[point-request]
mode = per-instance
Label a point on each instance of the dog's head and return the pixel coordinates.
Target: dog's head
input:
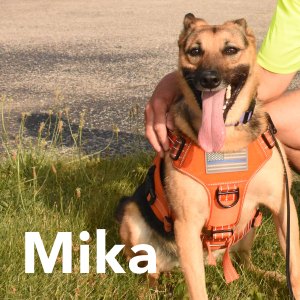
(216, 61)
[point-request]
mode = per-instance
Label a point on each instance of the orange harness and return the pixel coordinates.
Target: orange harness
(226, 192)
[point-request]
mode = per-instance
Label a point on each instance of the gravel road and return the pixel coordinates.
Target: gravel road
(99, 58)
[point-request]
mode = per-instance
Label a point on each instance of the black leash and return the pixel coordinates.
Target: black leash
(273, 131)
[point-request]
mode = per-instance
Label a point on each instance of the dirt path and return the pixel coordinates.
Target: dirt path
(101, 58)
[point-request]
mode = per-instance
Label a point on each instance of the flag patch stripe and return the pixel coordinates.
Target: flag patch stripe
(218, 162)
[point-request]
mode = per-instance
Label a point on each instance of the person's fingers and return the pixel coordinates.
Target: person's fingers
(149, 128)
(170, 122)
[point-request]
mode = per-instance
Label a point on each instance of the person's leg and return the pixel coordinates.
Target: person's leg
(285, 112)
(284, 109)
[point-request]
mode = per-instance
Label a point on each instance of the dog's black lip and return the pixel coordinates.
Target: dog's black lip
(189, 78)
(237, 79)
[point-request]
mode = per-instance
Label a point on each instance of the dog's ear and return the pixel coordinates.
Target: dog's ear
(188, 20)
(242, 23)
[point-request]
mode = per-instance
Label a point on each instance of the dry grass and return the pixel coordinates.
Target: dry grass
(42, 190)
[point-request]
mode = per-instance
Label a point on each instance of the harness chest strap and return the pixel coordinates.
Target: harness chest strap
(156, 196)
(226, 192)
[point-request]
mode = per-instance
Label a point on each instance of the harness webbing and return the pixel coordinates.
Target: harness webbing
(226, 193)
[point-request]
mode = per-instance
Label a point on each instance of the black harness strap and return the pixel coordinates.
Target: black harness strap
(149, 185)
(196, 92)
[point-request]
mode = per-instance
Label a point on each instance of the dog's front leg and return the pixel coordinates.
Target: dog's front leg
(190, 251)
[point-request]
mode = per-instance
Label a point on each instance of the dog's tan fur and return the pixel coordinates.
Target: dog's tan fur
(188, 199)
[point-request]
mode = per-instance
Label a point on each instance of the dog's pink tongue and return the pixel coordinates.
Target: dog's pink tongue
(211, 135)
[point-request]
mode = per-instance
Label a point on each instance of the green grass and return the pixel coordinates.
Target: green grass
(45, 191)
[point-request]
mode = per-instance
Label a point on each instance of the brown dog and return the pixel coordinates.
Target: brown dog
(219, 115)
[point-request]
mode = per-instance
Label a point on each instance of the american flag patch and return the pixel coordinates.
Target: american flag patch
(218, 162)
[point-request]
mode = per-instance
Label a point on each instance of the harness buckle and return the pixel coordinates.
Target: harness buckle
(219, 234)
(222, 234)
(268, 138)
(177, 148)
(236, 196)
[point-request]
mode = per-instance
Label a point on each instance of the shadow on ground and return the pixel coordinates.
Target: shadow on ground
(107, 142)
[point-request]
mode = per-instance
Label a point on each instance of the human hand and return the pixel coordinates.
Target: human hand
(157, 119)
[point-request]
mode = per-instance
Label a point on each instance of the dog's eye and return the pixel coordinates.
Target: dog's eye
(231, 50)
(195, 51)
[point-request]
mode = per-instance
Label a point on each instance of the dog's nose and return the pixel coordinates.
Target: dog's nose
(209, 79)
